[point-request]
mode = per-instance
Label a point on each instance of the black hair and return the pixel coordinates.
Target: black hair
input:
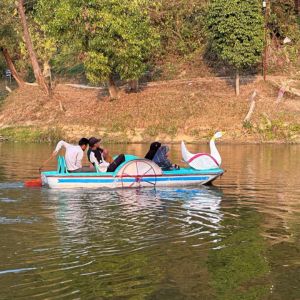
(83, 141)
(152, 151)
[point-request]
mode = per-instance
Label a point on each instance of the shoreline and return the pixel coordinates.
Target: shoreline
(28, 135)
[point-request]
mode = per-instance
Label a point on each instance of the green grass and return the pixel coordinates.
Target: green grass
(31, 135)
(277, 129)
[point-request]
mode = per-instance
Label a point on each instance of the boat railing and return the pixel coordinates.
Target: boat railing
(61, 165)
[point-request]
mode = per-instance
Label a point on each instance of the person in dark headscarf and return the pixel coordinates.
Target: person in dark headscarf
(161, 159)
(152, 151)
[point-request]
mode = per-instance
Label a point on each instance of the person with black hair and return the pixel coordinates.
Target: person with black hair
(73, 155)
(96, 157)
(152, 151)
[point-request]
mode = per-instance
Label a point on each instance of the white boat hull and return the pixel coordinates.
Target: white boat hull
(132, 174)
(94, 182)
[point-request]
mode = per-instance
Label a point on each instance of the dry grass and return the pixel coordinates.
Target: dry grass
(171, 112)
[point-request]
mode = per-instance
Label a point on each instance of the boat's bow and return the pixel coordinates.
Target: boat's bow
(203, 161)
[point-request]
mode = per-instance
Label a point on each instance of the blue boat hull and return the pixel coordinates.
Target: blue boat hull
(134, 172)
(105, 180)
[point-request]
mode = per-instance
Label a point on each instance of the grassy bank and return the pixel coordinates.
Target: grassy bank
(268, 131)
(31, 134)
(190, 110)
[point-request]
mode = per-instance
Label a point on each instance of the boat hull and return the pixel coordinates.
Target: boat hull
(94, 181)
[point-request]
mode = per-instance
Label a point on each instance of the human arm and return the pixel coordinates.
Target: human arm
(59, 145)
(162, 160)
(94, 161)
(106, 156)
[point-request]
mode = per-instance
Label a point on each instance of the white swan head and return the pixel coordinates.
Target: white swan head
(218, 135)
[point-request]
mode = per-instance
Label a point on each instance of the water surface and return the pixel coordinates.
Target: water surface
(237, 240)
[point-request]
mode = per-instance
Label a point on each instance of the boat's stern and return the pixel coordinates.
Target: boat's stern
(44, 178)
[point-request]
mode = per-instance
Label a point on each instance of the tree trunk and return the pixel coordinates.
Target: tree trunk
(34, 62)
(133, 86)
(252, 107)
(297, 7)
(237, 83)
(265, 51)
(12, 68)
(112, 88)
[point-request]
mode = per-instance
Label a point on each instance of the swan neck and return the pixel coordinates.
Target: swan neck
(214, 151)
(186, 155)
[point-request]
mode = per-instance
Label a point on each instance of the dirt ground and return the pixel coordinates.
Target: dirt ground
(171, 111)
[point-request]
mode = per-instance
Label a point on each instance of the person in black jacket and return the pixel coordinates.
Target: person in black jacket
(96, 157)
(152, 151)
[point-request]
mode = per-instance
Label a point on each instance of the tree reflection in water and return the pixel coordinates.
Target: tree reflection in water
(238, 265)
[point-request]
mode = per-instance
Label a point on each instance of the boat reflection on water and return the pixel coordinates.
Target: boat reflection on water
(204, 202)
(187, 211)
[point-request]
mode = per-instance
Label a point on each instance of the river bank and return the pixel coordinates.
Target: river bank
(171, 111)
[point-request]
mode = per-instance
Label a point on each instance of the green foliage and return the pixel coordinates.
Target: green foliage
(31, 135)
(248, 125)
(2, 64)
(97, 67)
(112, 36)
(98, 39)
(181, 24)
(45, 46)
(236, 31)
(277, 129)
(283, 20)
(8, 26)
(10, 36)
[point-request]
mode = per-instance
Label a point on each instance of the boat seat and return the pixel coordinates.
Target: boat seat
(61, 165)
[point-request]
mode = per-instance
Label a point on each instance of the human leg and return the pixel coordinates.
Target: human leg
(113, 166)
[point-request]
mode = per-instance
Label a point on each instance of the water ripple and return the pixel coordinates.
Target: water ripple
(182, 243)
(3, 272)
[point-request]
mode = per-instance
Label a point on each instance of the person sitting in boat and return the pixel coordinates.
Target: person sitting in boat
(161, 159)
(73, 155)
(97, 159)
(100, 153)
(152, 151)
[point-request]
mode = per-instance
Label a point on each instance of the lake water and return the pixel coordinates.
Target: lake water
(237, 240)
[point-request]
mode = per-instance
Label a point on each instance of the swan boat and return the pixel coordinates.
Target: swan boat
(138, 172)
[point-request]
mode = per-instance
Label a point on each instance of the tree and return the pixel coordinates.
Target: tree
(9, 37)
(236, 33)
(283, 20)
(11, 66)
(181, 24)
(33, 58)
(114, 37)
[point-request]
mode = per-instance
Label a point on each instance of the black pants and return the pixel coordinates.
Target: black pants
(119, 160)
